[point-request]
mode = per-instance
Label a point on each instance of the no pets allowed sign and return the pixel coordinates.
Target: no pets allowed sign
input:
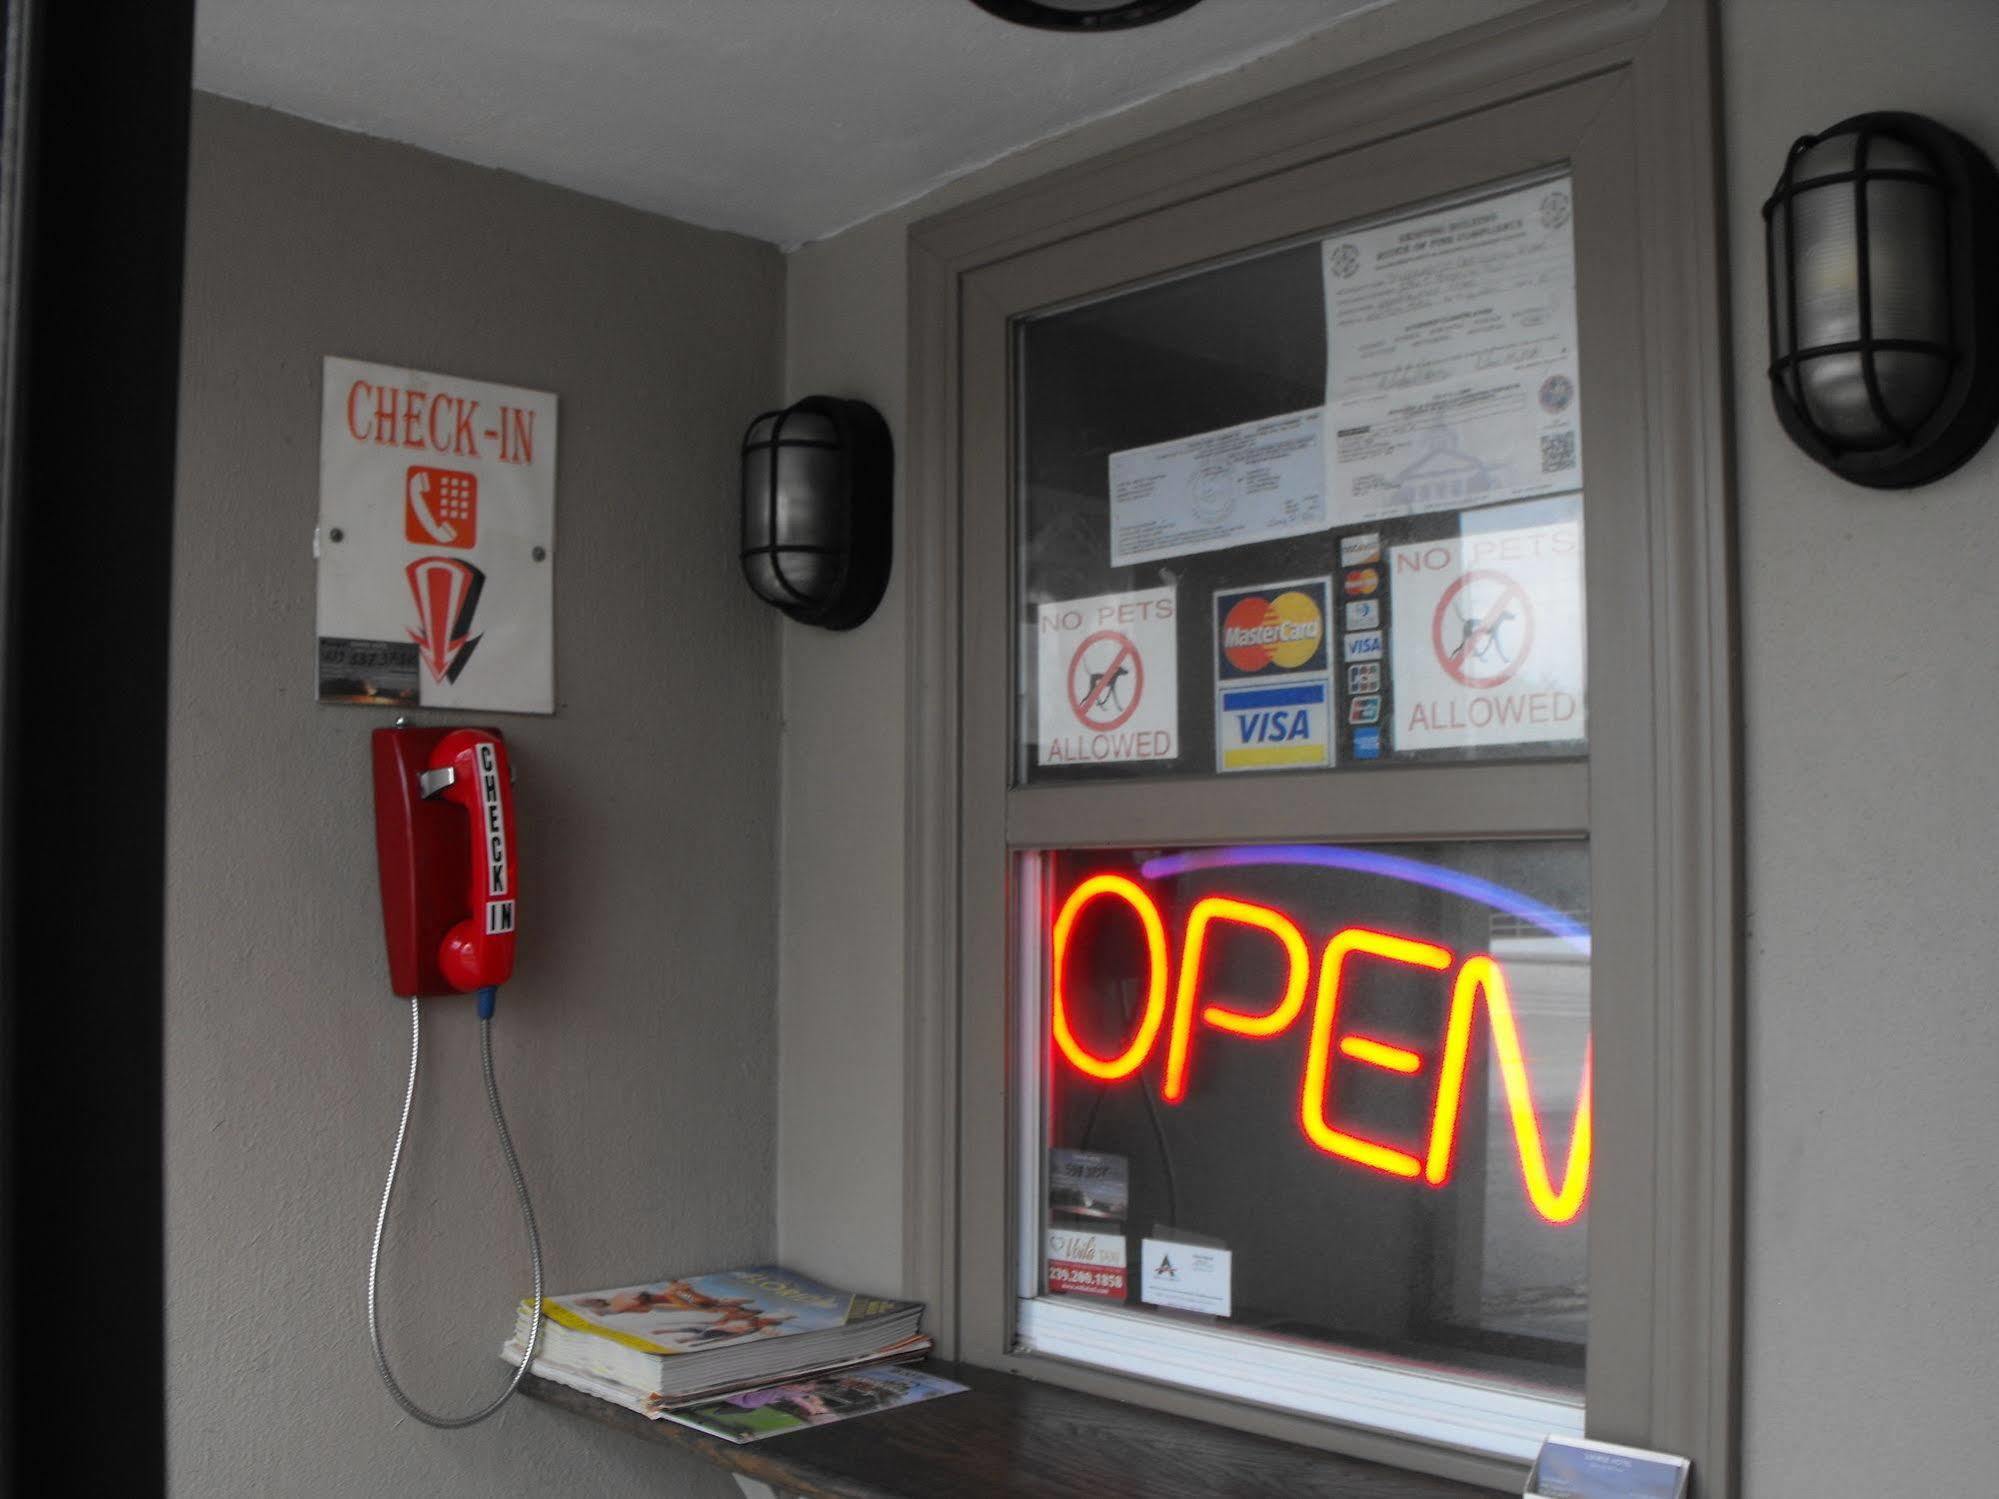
(1488, 647)
(1109, 680)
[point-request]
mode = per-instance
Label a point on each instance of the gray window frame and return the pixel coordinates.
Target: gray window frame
(1623, 94)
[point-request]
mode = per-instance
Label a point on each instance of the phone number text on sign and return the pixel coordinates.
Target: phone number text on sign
(1086, 1262)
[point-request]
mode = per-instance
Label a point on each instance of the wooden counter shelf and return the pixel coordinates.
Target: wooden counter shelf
(1008, 1438)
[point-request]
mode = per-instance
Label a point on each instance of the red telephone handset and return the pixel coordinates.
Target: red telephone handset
(444, 840)
(478, 952)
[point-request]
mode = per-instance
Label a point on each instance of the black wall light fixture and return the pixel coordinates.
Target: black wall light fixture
(1882, 249)
(1085, 15)
(818, 478)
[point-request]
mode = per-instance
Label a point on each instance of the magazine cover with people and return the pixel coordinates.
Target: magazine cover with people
(755, 1414)
(699, 1312)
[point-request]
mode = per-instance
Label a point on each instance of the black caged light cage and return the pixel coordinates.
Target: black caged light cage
(1882, 259)
(817, 496)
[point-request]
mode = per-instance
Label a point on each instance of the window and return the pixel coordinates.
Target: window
(1315, 509)
(1306, 1104)
(1238, 487)
(1384, 1033)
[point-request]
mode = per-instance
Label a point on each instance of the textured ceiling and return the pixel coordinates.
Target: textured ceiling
(783, 119)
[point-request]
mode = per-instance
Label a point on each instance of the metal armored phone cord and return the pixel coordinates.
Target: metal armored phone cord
(486, 1001)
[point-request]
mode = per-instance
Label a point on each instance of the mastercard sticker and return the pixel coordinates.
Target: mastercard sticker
(1273, 630)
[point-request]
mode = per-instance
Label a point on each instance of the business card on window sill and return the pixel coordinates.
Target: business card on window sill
(1188, 1277)
(1084, 1263)
(1572, 1468)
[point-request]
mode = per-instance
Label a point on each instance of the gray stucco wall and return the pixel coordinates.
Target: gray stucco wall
(1871, 716)
(1872, 806)
(635, 1045)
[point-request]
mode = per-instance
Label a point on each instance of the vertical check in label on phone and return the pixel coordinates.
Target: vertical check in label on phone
(495, 820)
(492, 812)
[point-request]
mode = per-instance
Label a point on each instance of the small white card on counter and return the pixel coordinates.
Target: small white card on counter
(1573, 1468)
(1189, 1277)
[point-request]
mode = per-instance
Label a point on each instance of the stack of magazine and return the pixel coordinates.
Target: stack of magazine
(675, 1349)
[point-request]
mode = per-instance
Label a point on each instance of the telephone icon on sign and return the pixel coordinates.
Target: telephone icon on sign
(441, 507)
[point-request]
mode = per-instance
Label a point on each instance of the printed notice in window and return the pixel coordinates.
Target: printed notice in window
(1451, 374)
(1259, 481)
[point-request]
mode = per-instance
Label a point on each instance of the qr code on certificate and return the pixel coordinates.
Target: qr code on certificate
(1558, 451)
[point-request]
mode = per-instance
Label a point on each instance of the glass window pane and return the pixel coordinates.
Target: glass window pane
(1355, 1079)
(1319, 507)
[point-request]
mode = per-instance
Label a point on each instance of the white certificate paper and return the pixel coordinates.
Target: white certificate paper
(1451, 375)
(1259, 481)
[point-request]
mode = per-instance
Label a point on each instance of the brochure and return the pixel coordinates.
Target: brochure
(686, 1337)
(701, 1312)
(753, 1415)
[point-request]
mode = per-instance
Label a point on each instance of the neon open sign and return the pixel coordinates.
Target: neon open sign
(1179, 1007)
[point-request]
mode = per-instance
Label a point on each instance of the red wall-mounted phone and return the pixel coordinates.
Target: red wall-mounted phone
(444, 838)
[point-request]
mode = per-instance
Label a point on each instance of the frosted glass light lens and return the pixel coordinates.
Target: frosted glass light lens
(1905, 273)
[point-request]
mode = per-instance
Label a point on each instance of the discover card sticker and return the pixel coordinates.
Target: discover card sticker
(1259, 481)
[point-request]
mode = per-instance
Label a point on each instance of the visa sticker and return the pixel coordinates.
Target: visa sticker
(1267, 728)
(1362, 646)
